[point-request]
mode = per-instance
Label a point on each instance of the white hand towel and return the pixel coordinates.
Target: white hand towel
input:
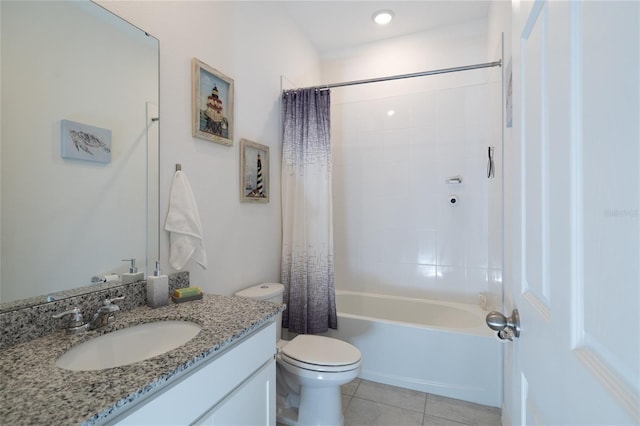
(183, 223)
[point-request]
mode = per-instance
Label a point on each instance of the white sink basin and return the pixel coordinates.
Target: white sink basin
(128, 345)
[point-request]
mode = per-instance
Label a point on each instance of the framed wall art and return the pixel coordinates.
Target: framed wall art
(212, 99)
(84, 142)
(254, 172)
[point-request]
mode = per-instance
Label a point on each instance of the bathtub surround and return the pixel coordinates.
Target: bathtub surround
(28, 323)
(396, 146)
(398, 232)
(307, 219)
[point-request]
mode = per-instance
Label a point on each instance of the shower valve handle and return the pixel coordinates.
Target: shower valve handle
(507, 327)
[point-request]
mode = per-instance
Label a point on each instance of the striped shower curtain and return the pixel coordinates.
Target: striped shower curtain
(307, 216)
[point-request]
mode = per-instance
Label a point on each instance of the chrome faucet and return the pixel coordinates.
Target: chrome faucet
(103, 316)
(106, 314)
(75, 323)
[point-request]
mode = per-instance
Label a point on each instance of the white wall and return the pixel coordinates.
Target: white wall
(255, 46)
(395, 231)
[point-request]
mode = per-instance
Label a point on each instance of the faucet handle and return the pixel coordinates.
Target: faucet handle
(107, 301)
(75, 317)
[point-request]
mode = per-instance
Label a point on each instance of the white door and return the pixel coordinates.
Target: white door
(572, 214)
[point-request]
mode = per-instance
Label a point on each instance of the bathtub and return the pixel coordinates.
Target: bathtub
(442, 348)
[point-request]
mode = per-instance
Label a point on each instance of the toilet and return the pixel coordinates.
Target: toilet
(309, 370)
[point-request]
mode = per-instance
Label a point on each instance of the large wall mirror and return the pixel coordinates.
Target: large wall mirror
(69, 211)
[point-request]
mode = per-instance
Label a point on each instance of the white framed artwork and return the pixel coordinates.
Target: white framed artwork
(84, 142)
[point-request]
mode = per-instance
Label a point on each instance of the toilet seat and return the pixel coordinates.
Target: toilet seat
(319, 353)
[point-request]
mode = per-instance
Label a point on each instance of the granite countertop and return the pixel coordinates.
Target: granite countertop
(33, 390)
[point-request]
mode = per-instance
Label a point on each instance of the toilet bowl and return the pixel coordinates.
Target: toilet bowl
(309, 370)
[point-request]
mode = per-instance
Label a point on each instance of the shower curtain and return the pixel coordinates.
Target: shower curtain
(307, 216)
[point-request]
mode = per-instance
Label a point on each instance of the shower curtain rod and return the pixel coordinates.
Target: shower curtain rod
(415, 74)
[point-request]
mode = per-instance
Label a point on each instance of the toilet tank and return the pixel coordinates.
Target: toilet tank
(272, 292)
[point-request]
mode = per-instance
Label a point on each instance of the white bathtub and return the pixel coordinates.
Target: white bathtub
(442, 348)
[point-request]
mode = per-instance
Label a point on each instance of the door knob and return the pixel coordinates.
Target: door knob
(507, 327)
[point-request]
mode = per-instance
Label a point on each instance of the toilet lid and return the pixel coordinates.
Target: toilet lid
(321, 351)
(264, 291)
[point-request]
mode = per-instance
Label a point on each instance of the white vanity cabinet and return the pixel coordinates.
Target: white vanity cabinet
(249, 404)
(236, 387)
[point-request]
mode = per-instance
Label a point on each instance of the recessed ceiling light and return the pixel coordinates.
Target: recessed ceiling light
(382, 17)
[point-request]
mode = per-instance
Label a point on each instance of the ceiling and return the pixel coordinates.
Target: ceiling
(333, 25)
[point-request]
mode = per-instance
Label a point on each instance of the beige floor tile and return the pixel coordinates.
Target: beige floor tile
(392, 395)
(462, 411)
(350, 388)
(346, 399)
(362, 412)
(439, 421)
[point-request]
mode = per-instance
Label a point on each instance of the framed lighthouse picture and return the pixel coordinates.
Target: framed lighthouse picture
(254, 172)
(212, 104)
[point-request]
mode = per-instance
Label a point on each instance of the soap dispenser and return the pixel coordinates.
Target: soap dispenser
(157, 289)
(133, 275)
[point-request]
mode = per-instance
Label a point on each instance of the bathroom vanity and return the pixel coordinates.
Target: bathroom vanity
(211, 379)
(218, 392)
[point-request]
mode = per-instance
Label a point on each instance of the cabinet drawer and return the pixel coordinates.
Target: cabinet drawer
(192, 395)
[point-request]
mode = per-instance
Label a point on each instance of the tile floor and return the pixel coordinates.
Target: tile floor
(366, 403)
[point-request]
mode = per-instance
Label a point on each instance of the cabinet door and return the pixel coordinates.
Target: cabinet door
(251, 403)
